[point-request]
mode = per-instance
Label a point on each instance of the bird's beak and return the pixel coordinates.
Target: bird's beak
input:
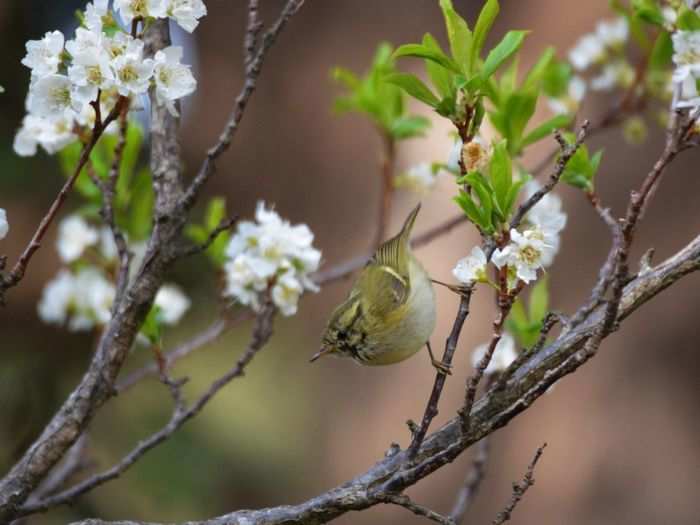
(323, 351)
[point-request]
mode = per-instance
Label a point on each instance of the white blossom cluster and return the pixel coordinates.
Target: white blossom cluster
(602, 48)
(686, 56)
(81, 296)
(67, 75)
(4, 225)
(271, 254)
(531, 248)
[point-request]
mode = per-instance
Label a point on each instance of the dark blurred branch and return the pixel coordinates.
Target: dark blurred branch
(491, 412)
(519, 489)
(467, 493)
(253, 63)
(262, 331)
(386, 173)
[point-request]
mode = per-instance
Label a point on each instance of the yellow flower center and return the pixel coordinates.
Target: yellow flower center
(94, 75)
(128, 73)
(530, 255)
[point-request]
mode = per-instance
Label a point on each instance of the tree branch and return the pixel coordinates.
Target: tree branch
(491, 412)
(254, 61)
(519, 489)
(262, 332)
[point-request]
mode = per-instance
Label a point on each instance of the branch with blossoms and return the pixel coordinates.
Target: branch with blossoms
(116, 251)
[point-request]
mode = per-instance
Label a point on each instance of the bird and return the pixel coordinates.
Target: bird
(389, 314)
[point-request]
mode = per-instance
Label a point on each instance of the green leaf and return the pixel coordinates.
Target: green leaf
(688, 19)
(420, 51)
(482, 189)
(151, 325)
(537, 72)
(502, 52)
(216, 211)
(556, 78)
(471, 210)
(440, 77)
(518, 109)
(345, 77)
(196, 233)
(512, 196)
(459, 36)
(649, 11)
(546, 128)
(412, 85)
(662, 52)
(539, 301)
(410, 126)
(501, 172)
(483, 25)
(518, 316)
(139, 213)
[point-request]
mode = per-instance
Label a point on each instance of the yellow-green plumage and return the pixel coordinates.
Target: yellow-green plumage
(389, 314)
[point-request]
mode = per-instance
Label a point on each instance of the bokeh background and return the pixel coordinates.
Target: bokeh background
(622, 432)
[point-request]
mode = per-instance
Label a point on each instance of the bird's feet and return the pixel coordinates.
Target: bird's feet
(442, 368)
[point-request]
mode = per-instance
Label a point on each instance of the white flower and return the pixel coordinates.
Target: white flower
(243, 282)
(587, 51)
(286, 293)
(108, 248)
(96, 13)
(270, 252)
(617, 74)
(130, 9)
(613, 33)
(53, 134)
(173, 79)
(43, 56)
(186, 12)
(90, 71)
(173, 303)
(547, 213)
(84, 300)
(419, 178)
(670, 15)
(471, 268)
(4, 225)
(51, 97)
(571, 101)
(85, 41)
(454, 156)
(57, 298)
(525, 254)
(503, 355)
(74, 235)
(94, 296)
(132, 72)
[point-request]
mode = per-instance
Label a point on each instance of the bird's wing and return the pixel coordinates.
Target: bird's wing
(383, 290)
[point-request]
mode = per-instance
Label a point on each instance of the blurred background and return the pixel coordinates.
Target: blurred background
(622, 432)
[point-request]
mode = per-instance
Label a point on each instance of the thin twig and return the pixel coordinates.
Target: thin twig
(254, 26)
(431, 409)
(223, 226)
(254, 66)
(519, 489)
(472, 483)
(567, 151)
(19, 269)
(419, 510)
(262, 331)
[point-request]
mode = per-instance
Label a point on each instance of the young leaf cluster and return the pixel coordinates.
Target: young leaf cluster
(382, 101)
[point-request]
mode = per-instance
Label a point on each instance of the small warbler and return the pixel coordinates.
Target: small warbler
(390, 312)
